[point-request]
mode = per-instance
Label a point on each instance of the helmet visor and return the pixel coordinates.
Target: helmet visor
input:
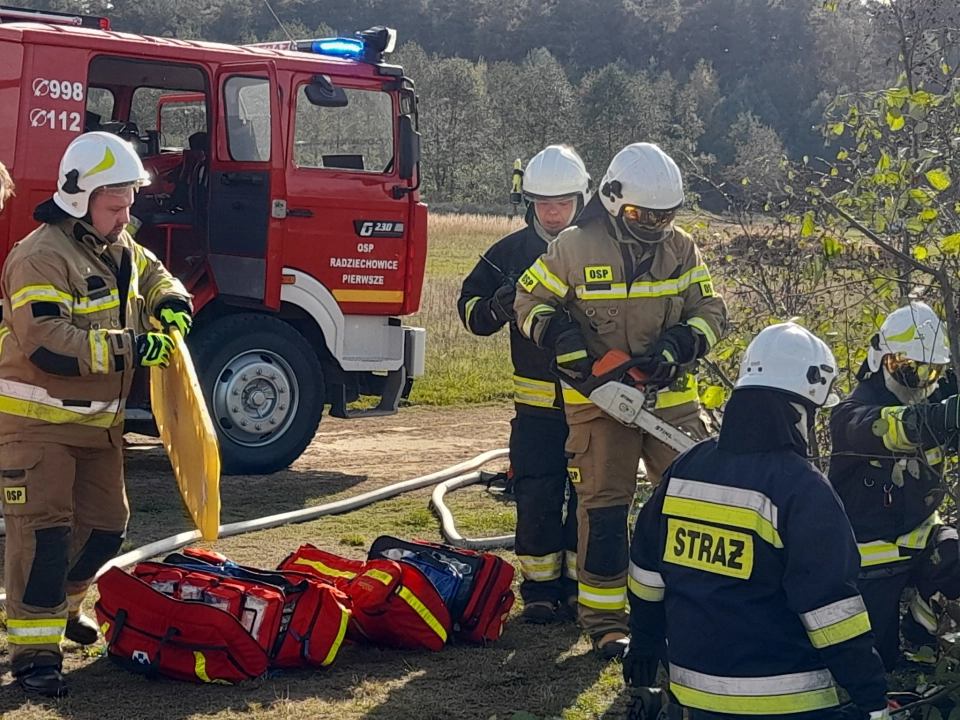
(913, 374)
(645, 219)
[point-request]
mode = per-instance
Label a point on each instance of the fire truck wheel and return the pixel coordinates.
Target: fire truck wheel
(264, 388)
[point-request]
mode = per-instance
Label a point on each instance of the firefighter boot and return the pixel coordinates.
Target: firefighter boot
(539, 612)
(42, 677)
(82, 630)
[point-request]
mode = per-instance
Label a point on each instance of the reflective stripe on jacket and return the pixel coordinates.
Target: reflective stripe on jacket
(754, 552)
(623, 294)
(67, 338)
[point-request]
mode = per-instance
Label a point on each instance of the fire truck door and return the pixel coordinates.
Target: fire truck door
(247, 148)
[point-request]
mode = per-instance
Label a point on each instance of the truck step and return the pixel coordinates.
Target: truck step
(389, 401)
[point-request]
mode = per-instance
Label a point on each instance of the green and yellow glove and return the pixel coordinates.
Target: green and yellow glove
(154, 350)
(175, 313)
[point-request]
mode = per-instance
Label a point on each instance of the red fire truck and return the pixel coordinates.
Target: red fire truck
(285, 196)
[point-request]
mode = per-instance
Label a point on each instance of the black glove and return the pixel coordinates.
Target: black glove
(501, 304)
(573, 359)
(639, 670)
(942, 420)
(680, 344)
(175, 312)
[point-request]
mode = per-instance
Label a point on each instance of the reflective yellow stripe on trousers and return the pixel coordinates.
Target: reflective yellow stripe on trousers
(35, 632)
(540, 569)
(602, 598)
(770, 695)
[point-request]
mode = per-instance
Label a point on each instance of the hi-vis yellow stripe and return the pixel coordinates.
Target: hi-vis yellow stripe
(200, 669)
(324, 569)
(341, 633)
(35, 632)
(421, 610)
(369, 296)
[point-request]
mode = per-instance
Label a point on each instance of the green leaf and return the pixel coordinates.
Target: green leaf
(938, 179)
(945, 69)
(713, 397)
(914, 225)
(831, 246)
(928, 214)
(842, 155)
(951, 244)
(920, 252)
(837, 128)
(808, 228)
(894, 119)
(745, 181)
(921, 127)
(884, 162)
(923, 655)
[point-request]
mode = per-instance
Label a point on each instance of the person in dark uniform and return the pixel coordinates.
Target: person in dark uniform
(556, 186)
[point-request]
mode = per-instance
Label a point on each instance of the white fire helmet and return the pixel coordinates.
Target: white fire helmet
(556, 172)
(790, 358)
(913, 332)
(92, 161)
(642, 176)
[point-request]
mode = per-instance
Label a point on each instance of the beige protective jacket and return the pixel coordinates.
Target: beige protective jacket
(623, 294)
(67, 354)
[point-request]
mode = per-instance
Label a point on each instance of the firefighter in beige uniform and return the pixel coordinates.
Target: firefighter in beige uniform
(78, 293)
(623, 279)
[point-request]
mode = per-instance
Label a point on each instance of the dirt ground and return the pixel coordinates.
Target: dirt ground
(532, 672)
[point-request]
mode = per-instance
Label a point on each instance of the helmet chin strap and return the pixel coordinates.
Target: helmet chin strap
(907, 395)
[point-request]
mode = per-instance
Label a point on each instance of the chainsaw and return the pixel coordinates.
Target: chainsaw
(622, 391)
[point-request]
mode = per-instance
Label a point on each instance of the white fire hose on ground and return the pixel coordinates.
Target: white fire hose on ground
(457, 476)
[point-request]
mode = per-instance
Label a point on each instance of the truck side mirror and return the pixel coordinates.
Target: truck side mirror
(323, 93)
(409, 147)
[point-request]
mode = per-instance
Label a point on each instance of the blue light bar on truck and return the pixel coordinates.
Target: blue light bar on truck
(348, 48)
(368, 46)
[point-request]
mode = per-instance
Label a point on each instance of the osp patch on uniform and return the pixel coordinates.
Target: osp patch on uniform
(709, 548)
(573, 474)
(598, 273)
(15, 495)
(528, 281)
(706, 288)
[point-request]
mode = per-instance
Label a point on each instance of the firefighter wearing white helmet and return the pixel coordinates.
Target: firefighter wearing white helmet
(890, 440)
(556, 187)
(745, 542)
(77, 293)
(626, 279)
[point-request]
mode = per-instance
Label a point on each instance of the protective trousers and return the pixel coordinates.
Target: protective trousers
(935, 569)
(66, 513)
(546, 539)
(603, 460)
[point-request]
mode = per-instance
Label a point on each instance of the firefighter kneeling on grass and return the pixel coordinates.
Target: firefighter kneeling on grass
(556, 187)
(624, 278)
(890, 439)
(77, 294)
(743, 566)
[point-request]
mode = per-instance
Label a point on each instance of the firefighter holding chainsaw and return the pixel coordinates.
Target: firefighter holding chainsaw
(556, 187)
(624, 279)
(890, 440)
(743, 566)
(78, 294)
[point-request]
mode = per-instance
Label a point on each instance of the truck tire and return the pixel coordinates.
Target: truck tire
(264, 388)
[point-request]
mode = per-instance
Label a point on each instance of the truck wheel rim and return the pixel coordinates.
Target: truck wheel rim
(255, 398)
